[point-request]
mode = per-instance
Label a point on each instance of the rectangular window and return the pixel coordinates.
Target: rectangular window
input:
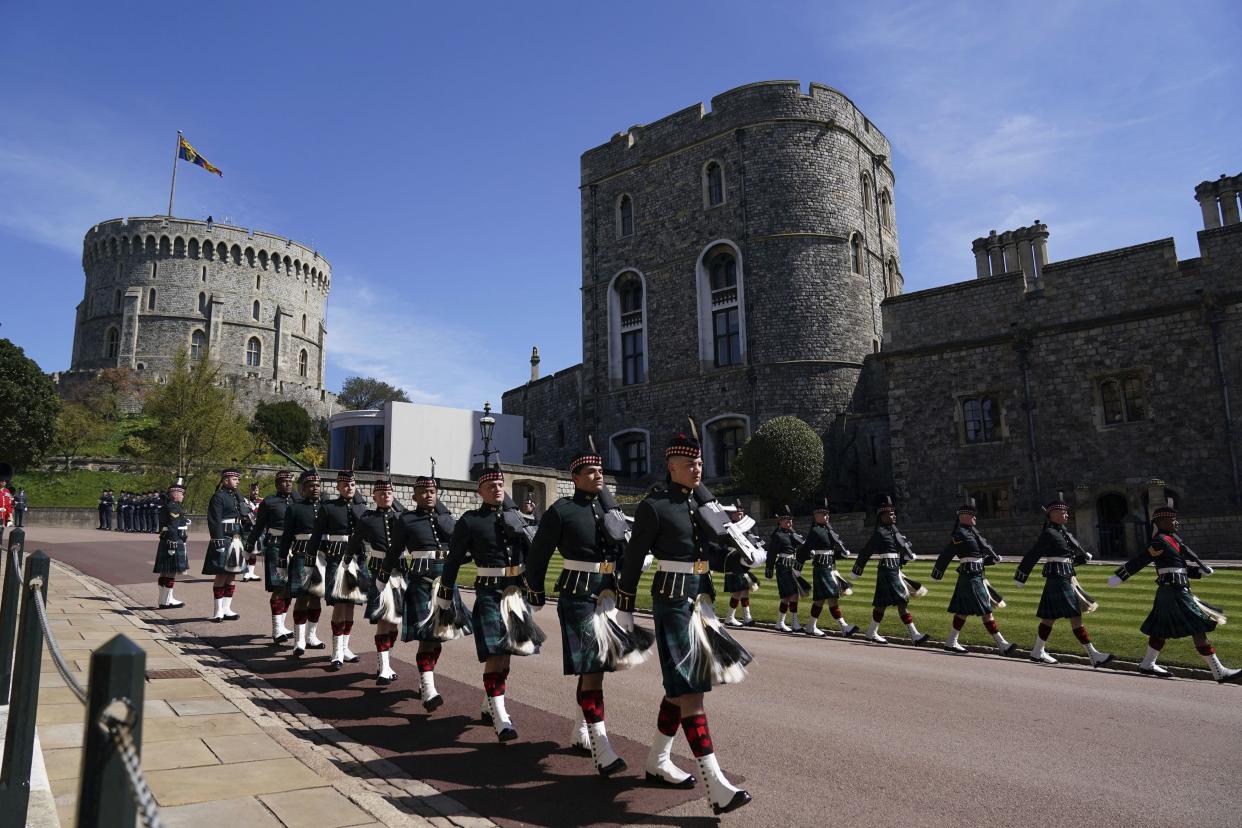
(992, 500)
(729, 440)
(727, 336)
(632, 357)
(634, 457)
(1122, 399)
(981, 417)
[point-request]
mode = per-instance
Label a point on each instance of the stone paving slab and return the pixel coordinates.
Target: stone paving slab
(184, 786)
(246, 812)
(322, 808)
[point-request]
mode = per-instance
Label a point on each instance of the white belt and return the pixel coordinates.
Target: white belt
(501, 571)
(1172, 570)
(685, 567)
(424, 555)
(229, 521)
(788, 556)
(1056, 560)
(971, 560)
(378, 554)
(603, 568)
(303, 536)
(336, 538)
(887, 556)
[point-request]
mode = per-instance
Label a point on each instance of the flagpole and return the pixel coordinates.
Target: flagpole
(172, 189)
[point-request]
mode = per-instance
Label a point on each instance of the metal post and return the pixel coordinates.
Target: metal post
(19, 739)
(9, 602)
(118, 672)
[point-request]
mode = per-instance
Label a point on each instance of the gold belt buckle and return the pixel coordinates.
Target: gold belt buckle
(700, 567)
(513, 571)
(607, 568)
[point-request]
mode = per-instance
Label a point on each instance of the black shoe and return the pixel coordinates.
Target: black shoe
(922, 639)
(318, 646)
(507, 735)
(298, 651)
(685, 785)
(1147, 671)
(334, 666)
(1008, 651)
(851, 632)
(352, 659)
(383, 681)
(615, 767)
(749, 623)
(485, 718)
(739, 799)
(231, 616)
(432, 704)
(217, 619)
(282, 638)
(1102, 663)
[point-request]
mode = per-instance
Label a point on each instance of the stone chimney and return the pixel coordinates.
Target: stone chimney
(1219, 201)
(534, 363)
(1024, 249)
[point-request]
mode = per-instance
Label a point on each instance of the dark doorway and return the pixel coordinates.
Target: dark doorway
(1110, 513)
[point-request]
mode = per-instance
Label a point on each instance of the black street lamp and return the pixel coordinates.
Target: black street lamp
(487, 424)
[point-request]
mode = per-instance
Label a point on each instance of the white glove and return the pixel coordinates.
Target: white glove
(1207, 570)
(1113, 580)
(913, 557)
(648, 560)
(625, 620)
(443, 603)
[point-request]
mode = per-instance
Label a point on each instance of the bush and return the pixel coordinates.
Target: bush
(284, 423)
(783, 461)
(134, 446)
(29, 411)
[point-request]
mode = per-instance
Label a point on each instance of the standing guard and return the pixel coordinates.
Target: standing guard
(739, 585)
(696, 651)
(120, 523)
(126, 508)
(892, 588)
(492, 535)
(972, 595)
(1062, 596)
(106, 501)
(589, 530)
(378, 536)
(426, 529)
(225, 556)
(269, 523)
(253, 499)
(823, 546)
(306, 568)
(171, 558)
(344, 572)
(1176, 612)
(782, 556)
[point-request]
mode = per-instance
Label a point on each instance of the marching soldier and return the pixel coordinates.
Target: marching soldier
(503, 626)
(253, 499)
(589, 530)
(740, 584)
(306, 571)
(695, 649)
(225, 556)
(427, 530)
(269, 523)
(106, 502)
(378, 535)
(171, 558)
(892, 588)
(823, 546)
(344, 572)
(19, 508)
(1062, 596)
(1176, 612)
(782, 556)
(973, 595)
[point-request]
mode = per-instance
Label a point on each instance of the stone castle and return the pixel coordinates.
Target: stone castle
(742, 262)
(249, 300)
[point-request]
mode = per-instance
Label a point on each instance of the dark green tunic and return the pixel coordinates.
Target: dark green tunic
(891, 550)
(1176, 612)
(782, 549)
(269, 523)
(300, 519)
(336, 519)
(970, 594)
(821, 547)
(224, 523)
(171, 557)
(376, 532)
(1060, 550)
(424, 532)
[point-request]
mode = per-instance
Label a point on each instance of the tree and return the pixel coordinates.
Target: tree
(199, 429)
(284, 423)
(783, 461)
(359, 393)
(77, 427)
(28, 408)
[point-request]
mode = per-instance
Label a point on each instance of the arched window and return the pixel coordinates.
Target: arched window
(981, 418)
(627, 329)
(258, 281)
(303, 362)
(116, 302)
(198, 342)
(303, 323)
(886, 210)
(202, 303)
(254, 352)
(625, 216)
(112, 343)
(151, 299)
(725, 436)
(890, 278)
(866, 192)
(722, 328)
(254, 310)
(856, 254)
(629, 453)
(713, 184)
(1122, 399)
(204, 273)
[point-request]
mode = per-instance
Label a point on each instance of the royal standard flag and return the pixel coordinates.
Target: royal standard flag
(188, 153)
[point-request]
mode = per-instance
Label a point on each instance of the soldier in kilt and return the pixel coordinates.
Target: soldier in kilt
(253, 499)
(171, 558)
(1062, 596)
(346, 581)
(306, 577)
(1176, 612)
(492, 536)
(269, 523)
(225, 556)
(696, 651)
(823, 546)
(426, 529)
(972, 595)
(782, 549)
(892, 588)
(740, 584)
(378, 534)
(592, 643)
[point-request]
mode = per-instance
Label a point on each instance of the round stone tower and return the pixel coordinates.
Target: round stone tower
(251, 301)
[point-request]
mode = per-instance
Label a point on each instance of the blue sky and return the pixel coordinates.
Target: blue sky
(430, 151)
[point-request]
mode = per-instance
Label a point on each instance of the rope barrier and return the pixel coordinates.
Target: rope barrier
(57, 659)
(121, 731)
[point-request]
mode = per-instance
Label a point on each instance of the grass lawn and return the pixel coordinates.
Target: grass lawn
(80, 487)
(1114, 627)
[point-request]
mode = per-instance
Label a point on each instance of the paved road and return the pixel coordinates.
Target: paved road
(850, 732)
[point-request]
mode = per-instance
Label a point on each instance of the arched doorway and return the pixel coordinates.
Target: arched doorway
(1110, 515)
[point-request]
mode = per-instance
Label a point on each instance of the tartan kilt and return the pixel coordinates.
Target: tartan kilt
(970, 596)
(419, 602)
(171, 558)
(579, 649)
(1174, 614)
(365, 581)
(736, 582)
(824, 583)
(489, 626)
(890, 591)
(217, 553)
(367, 576)
(787, 583)
(300, 565)
(275, 567)
(1058, 600)
(672, 634)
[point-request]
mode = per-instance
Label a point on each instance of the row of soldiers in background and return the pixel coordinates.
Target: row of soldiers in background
(135, 511)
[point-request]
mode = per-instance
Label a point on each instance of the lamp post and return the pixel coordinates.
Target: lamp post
(487, 424)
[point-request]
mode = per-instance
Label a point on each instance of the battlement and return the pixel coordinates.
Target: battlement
(764, 101)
